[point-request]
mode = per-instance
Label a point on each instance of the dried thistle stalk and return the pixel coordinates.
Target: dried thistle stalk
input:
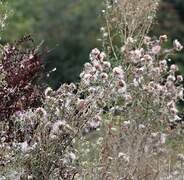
(134, 17)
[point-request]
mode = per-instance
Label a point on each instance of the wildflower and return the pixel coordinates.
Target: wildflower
(128, 98)
(125, 157)
(130, 40)
(171, 78)
(98, 66)
(57, 127)
(121, 86)
(88, 67)
(102, 56)
(94, 54)
(148, 57)
(177, 45)
(138, 72)
(94, 124)
(104, 76)
(81, 103)
(87, 77)
(41, 111)
(163, 63)
(179, 78)
(156, 49)
(163, 38)
(121, 83)
(136, 55)
(170, 84)
(118, 72)
(146, 40)
(161, 89)
(92, 89)
(174, 68)
(156, 71)
(98, 118)
(48, 91)
(72, 86)
(137, 81)
(82, 74)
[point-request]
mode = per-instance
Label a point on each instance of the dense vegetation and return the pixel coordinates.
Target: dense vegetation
(71, 28)
(120, 120)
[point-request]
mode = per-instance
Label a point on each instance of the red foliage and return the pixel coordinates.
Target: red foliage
(21, 67)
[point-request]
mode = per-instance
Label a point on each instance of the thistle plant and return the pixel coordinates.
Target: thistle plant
(136, 17)
(141, 95)
(140, 92)
(117, 122)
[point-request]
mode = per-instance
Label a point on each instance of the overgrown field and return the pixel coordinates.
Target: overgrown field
(121, 121)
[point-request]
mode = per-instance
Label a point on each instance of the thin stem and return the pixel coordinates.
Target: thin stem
(110, 40)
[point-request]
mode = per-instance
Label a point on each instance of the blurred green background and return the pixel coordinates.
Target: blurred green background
(70, 29)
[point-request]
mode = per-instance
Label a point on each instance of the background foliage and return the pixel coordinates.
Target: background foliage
(71, 28)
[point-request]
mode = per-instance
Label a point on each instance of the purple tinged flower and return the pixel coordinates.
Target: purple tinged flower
(102, 56)
(88, 67)
(104, 76)
(81, 103)
(180, 78)
(156, 49)
(95, 51)
(174, 68)
(148, 57)
(118, 72)
(95, 122)
(41, 111)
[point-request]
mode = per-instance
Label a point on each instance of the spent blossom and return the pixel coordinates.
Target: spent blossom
(163, 38)
(177, 45)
